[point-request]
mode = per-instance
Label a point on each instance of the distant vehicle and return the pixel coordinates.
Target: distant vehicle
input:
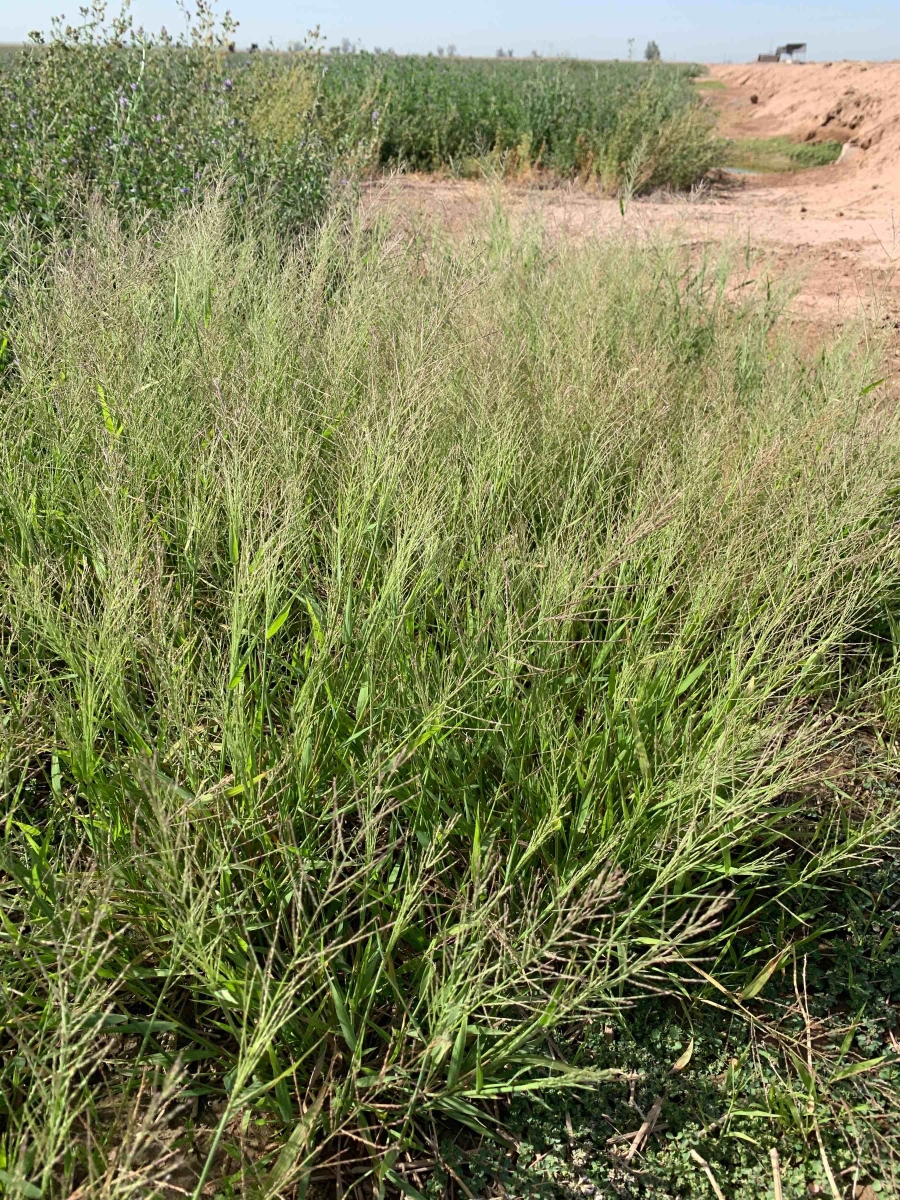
(789, 52)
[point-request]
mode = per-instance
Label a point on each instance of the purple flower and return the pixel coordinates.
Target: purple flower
(123, 102)
(227, 85)
(376, 113)
(158, 117)
(134, 87)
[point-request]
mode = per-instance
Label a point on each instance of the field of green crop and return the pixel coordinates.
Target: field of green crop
(571, 118)
(145, 123)
(449, 687)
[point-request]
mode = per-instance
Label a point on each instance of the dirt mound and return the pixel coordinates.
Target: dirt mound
(853, 102)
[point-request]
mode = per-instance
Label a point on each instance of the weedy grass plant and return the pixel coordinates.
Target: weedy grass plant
(411, 650)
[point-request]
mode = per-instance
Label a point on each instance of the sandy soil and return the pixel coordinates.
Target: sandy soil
(834, 230)
(852, 102)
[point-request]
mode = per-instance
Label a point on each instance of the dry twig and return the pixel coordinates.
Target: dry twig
(707, 1170)
(776, 1173)
(646, 1129)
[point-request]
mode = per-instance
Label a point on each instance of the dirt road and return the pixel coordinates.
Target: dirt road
(834, 230)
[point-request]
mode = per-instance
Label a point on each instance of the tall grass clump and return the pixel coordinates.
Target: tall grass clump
(410, 652)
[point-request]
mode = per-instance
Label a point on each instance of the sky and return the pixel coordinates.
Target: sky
(700, 30)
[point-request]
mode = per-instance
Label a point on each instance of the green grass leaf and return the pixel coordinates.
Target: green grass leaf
(277, 623)
(857, 1068)
(343, 1015)
(759, 981)
(20, 1186)
(870, 387)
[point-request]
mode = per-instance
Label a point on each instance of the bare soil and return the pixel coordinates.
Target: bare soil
(833, 231)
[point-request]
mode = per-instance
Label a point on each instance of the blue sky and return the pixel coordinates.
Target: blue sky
(706, 30)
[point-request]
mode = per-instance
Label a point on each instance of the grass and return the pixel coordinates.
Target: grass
(418, 656)
(779, 154)
(448, 686)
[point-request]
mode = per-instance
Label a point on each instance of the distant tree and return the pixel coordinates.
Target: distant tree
(440, 51)
(451, 51)
(652, 53)
(509, 54)
(630, 48)
(501, 53)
